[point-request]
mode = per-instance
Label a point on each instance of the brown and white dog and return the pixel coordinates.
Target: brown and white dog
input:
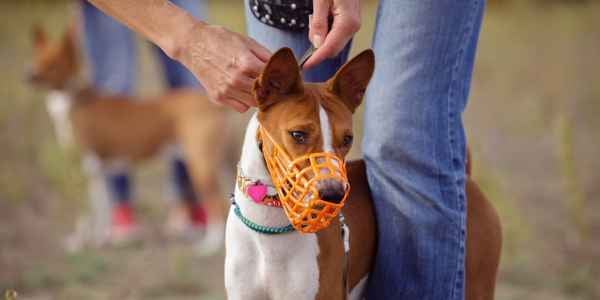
(111, 129)
(313, 266)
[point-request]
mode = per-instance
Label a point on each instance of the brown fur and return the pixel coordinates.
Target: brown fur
(121, 127)
(287, 104)
(484, 244)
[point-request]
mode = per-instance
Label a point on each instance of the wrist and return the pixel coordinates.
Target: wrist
(176, 44)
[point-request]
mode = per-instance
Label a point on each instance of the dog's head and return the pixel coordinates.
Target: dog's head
(311, 123)
(54, 64)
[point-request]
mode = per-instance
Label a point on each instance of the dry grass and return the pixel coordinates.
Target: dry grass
(532, 125)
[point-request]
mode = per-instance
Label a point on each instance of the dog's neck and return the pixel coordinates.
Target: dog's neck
(59, 104)
(252, 165)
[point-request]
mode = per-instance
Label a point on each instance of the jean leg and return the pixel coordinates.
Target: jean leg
(273, 39)
(181, 186)
(110, 51)
(414, 145)
(118, 181)
(119, 187)
(177, 75)
(181, 181)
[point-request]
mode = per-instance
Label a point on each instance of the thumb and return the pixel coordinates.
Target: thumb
(318, 23)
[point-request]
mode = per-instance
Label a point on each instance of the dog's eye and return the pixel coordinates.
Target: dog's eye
(348, 140)
(298, 136)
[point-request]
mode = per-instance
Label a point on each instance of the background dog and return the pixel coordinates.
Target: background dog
(110, 129)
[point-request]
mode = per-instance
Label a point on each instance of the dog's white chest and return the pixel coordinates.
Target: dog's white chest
(261, 266)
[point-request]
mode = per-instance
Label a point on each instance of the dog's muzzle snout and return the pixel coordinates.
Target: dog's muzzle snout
(331, 190)
(312, 188)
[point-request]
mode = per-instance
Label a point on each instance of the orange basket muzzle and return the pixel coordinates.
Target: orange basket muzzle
(296, 182)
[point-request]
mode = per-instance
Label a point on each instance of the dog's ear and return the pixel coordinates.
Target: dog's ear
(69, 39)
(39, 36)
(350, 82)
(281, 76)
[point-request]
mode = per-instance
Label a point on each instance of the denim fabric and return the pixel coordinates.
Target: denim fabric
(273, 39)
(181, 175)
(120, 186)
(111, 52)
(414, 143)
(415, 150)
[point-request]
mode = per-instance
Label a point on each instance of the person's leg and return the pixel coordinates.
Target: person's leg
(110, 51)
(177, 75)
(189, 211)
(414, 145)
(273, 39)
(118, 183)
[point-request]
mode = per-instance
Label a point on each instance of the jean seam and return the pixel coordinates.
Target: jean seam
(452, 115)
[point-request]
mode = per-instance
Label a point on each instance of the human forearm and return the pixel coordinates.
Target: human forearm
(160, 21)
(225, 62)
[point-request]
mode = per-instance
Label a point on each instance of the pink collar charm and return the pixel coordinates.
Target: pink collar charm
(257, 192)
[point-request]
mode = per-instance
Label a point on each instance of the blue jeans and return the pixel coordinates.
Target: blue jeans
(111, 53)
(414, 142)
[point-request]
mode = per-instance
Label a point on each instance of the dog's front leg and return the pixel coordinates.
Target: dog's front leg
(242, 279)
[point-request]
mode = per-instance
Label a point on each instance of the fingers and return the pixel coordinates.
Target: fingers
(261, 52)
(233, 87)
(235, 84)
(238, 106)
(227, 64)
(241, 79)
(243, 96)
(318, 23)
(341, 32)
(248, 65)
(235, 97)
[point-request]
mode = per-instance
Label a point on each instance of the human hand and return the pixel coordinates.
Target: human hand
(225, 62)
(346, 22)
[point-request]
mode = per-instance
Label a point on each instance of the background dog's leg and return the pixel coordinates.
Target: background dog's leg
(93, 226)
(99, 202)
(203, 143)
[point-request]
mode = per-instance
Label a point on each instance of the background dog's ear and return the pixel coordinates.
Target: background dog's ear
(39, 36)
(351, 81)
(281, 76)
(70, 39)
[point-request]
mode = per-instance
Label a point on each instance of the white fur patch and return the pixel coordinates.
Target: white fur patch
(358, 292)
(326, 131)
(58, 105)
(259, 266)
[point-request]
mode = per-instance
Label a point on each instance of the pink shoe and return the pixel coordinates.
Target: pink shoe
(197, 216)
(123, 227)
(186, 221)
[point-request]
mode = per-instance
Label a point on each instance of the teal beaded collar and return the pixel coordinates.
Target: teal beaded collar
(260, 228)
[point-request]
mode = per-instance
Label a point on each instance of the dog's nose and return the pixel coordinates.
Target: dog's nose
(331, 190)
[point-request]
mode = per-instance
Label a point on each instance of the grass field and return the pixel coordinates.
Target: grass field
(532, 124)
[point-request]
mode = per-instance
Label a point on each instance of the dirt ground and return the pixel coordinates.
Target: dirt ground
(532, 124)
